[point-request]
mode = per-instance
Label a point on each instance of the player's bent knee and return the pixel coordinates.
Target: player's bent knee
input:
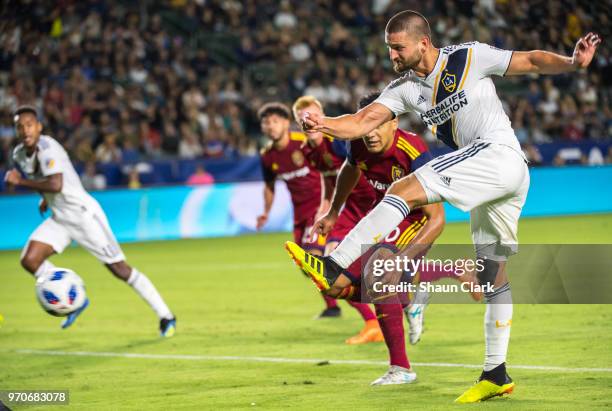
(121, 270)
(409, 188)
(488, 274)
(31, 262)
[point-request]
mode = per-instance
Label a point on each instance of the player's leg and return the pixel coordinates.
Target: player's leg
(391, 318)
(494, 228)
(49, 238)
(147, 291)
(94, 234)
(404, 195)
(371, 331)
(34, 258)
(315, 245)
(425, 186)
(376, 225)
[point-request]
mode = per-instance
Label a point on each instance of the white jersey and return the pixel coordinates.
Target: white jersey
(48, 159)
(457, 100)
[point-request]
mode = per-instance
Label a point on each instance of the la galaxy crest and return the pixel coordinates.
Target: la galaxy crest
(449, 82)
(396, 173)
(298, 158)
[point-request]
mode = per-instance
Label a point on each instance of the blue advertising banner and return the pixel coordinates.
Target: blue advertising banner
(231, 209)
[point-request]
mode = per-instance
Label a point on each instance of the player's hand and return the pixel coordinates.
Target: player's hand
(376, 271)
(585, 50)
(42, 206)
(311, 122)
(261, 221)
(323, 209)
(325, 224)
(12, 177)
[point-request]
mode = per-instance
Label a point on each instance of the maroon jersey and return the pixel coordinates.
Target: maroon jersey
(290, 165)
(407, 153)
(328, 157)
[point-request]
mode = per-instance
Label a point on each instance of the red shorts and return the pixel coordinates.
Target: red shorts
(301, 232)
(349, 217)
(398, 238)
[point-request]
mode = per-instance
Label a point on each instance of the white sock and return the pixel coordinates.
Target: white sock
(497, 323)
(44, 268)
(373, 228)
(145, 288)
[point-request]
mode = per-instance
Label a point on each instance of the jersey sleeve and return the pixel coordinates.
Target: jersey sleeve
(349, 153)
(395, 96)
(50, 160)
(268, 175)
(424, 154)
(489, 60)
(340, 148)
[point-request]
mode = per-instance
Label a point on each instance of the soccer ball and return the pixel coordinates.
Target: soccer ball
(60, 292)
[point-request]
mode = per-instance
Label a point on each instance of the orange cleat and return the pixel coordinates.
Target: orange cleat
(370, 333)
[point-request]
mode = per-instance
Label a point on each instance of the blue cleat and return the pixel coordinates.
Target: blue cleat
(167, 327)
(71, 318)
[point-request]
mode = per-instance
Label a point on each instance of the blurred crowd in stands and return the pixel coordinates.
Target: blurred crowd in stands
(121, 81)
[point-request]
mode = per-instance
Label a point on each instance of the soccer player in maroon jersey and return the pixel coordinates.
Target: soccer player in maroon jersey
(383, 156)
(283, 159)
(327, 155)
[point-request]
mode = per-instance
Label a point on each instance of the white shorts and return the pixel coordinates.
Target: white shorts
(90, 230)
(491, 181)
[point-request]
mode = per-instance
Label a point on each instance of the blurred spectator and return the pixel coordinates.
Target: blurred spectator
(91, 179)
(189, 147)
(108, 151)
(200, 177)
(134, 179)
(141, 71)
(533, 154)
(595, 157)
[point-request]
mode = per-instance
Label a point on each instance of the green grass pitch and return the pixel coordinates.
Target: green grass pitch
(242, 297)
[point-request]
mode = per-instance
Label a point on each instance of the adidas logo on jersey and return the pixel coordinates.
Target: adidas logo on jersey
(445, 180)
(420, 100)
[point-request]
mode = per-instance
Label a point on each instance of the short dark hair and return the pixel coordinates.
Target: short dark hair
(274, 107)
(409, 21)
(25, 109)
(368, 99)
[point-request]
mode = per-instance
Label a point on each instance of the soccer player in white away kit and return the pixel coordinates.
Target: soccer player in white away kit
(76, 216)
(451, 89)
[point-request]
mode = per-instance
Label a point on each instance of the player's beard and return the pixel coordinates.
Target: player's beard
(401, 65)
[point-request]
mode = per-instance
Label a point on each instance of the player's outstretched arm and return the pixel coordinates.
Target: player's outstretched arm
(346, 181)
(327, 191)
(348, 126)
(545, 62)
(50, 184)
(268, 195)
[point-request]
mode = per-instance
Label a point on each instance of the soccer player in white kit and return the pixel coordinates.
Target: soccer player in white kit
(76, 215)
(451, 90)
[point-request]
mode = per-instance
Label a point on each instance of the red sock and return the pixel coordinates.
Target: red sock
(391, 320)
(366, 312)
(430, 273)
(329, 302)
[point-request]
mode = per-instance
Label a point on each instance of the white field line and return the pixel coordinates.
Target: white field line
(283, 360)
